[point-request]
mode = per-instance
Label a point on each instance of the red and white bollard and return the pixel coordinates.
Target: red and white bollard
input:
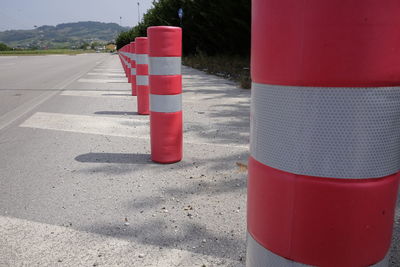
(325, 131)
(129, 60)
(165, 52)
(126, 61)
(142, 75)
(123, 57)
(120, 57)
(133, 68)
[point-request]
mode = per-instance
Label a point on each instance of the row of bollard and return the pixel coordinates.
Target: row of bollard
(153, 67)
(325, 123)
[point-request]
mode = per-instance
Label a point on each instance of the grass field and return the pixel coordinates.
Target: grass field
(44, 52)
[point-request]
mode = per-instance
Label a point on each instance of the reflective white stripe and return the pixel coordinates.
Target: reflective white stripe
(166, 103)
(127, 63)
(142, 80)
(165, 65)
(126, 55)
(142, 59)
(131, 56)
(133, 71)
(327, 131)
(258, 256)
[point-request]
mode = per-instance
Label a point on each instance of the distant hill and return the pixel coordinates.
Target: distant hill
(66, 35)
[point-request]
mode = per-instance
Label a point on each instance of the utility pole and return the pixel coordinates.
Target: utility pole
(180, 14)
(138, 11)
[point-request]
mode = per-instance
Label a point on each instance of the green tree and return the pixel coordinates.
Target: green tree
(209, 27)
(84, 46)
(4, 47)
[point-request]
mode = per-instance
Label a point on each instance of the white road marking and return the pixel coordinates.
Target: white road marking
(114, 94)
(130, 127)
(121, 94)
(30, 243)
(103, 80)
(109, 70)
(90, 124)
(23, 109)
(106, 74)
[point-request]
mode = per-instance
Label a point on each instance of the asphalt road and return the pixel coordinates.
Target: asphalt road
(26, 81)
(77, 187)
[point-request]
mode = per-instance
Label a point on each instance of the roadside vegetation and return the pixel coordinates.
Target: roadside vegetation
(234, 68)
(216, 34)
(4, 47)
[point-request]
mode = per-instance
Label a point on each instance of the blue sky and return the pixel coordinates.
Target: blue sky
(24, 14)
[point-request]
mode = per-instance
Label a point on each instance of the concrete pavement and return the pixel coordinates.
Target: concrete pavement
(78, 187)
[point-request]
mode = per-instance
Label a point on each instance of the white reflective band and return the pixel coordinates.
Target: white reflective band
(131, 56)
(142, 59)
(258, 256)
(327, 131)
(133, 71)
(142, 80)
(166, 103)
(165, 65)
(127, 63)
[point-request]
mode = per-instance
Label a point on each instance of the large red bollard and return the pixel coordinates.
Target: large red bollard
(142, 75)
(165, 52)
(133, 68)
(325, 129)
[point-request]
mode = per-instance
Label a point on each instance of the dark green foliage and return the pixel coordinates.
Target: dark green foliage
(212, 27)
(4, 47)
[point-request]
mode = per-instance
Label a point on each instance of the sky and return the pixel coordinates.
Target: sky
(25, 14)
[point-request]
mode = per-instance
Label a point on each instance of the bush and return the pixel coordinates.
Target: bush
(4, 47)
